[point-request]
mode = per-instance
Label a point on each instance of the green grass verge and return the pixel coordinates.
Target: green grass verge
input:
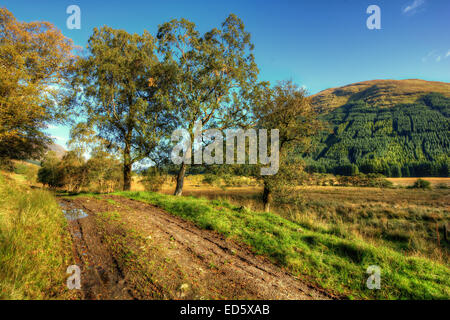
(35, 246)
(338, 265)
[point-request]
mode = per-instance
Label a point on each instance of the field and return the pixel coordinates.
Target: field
(408, 220)
(322, 255)
(405, 182)
(216, 243)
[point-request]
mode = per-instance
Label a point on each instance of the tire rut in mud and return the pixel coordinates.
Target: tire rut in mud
(210, 265)
(101, 276)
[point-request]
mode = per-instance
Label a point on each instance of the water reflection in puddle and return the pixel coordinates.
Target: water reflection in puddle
(74, 214)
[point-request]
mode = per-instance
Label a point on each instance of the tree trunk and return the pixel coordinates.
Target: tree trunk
(180, 180)
(127, 168)
(127, 177)
(267, 197)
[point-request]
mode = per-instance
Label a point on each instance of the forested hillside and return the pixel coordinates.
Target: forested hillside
(401, 140)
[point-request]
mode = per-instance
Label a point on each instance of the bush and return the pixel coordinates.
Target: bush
(421, 184)
(50, 174)
(154, 180)
(211, 179)
(101, 173)
(104, 172)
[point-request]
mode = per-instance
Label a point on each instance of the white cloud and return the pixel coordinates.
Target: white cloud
(412, 8)
(436, 56)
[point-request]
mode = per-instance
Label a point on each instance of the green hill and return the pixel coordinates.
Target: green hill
(397, 128)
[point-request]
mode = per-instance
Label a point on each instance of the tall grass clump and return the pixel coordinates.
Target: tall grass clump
(35, 248)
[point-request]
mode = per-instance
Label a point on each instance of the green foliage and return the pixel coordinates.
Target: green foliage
(154, 179)
(101, 173)
(49, 174)
(211, 78)
(421, 184)
(285, 107)
(403, 140)
(346, 170)
(210, 179)
(114, 88)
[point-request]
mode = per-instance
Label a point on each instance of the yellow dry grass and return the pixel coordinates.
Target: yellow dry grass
(410, 181)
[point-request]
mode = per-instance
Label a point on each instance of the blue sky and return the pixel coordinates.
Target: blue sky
(319, 44)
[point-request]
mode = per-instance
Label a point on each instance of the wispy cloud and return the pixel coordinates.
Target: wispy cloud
(435, 55)
(430, 55)
(412, 8)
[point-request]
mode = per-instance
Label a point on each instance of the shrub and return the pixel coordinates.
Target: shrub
(421, 184)
(154, 179)
(104, 172)
(101, 173)
(211, 179)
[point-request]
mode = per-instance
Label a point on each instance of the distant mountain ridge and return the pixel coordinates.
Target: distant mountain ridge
(382, 93)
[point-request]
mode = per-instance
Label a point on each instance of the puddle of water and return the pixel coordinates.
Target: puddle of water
(74, 214)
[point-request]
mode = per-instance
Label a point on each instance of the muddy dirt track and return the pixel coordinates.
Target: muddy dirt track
(173, 259)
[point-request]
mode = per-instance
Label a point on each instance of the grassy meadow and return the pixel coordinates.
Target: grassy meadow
(320, 254)
(325, 235)
(410, 221)
(35, 246)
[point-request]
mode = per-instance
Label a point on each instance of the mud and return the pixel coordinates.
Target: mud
(201, 264)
